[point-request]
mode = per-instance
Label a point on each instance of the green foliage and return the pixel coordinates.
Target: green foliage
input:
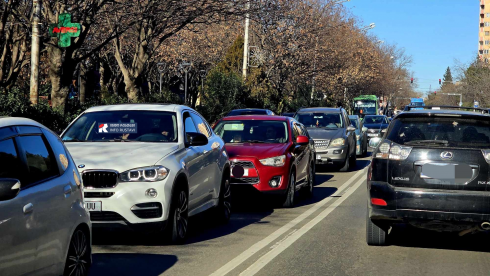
(224, 92)
(448, 77)
(233, 59)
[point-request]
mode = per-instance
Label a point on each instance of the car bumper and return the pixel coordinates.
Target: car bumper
(410, 205)
(332, 156)
(128, 204)
(264, 175)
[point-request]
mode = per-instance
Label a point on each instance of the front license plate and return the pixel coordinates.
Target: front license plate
(372, 134)
(93, 206)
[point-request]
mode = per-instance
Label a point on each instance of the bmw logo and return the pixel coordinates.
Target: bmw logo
(81, 166)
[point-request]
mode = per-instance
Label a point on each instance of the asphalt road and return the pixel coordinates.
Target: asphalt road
(324, 235)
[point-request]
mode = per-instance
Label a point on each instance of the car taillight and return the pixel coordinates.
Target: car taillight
(378, 201)
(486, 154)
(392, 151)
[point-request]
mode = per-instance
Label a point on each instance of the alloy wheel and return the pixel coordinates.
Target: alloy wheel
(227, 199)
(181, 217)
(78, 260)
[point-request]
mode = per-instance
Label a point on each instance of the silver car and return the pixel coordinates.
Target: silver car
(44, 228)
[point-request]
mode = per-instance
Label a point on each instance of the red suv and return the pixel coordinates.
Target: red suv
(273, 154)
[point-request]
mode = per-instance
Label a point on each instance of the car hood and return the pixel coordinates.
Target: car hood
(325, 133)
(382, 126)
(260, 151)
(119, 156)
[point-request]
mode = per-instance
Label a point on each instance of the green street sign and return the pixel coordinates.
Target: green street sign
(64, 30)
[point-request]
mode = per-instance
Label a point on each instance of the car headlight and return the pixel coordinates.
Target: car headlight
(144, 174)
(337, 142)
(277, 161)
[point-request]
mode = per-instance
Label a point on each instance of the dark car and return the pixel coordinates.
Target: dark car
(333, 134)
(287, 114)
(431, 170)
(250, 111)
(272, 154)
(375, 125)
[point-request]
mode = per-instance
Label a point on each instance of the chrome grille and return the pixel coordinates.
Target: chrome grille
(244, 164)
(321, 144)
(99, 179)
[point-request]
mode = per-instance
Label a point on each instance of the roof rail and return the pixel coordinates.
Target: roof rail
(439, 107)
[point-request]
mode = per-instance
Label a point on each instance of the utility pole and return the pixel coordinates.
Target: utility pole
(245, 42)
(34, 89)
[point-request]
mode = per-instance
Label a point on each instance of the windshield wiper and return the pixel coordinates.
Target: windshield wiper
(253, 141)
(418, 142)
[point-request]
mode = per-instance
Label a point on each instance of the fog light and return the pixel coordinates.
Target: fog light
(337, 151)
(274, 183)
(151, 193)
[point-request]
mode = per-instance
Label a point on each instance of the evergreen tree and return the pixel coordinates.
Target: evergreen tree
(448, 77)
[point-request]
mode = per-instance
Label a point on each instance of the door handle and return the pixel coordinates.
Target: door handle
(28, 208)
(67, 190)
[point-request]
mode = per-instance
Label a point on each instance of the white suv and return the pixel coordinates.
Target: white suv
(149, 165)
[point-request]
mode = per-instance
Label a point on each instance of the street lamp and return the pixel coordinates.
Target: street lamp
(185, 66)
(161, 68)
(371, 26)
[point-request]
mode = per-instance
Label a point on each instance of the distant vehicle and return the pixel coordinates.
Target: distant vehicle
(250, 111)
(333, 134)
(44, 227)
(375, 124)
(431, 171)
(288, 114)
(272, 154)
(365, 105)
(361, 135)
(417, 102)
(166, 166)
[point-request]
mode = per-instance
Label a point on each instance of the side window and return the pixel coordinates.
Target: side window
(10, 164)
(189, 124)
(201, 126)
(58, 149)
(40, 162)
(295, 132)
(299, 130)
(305, 132)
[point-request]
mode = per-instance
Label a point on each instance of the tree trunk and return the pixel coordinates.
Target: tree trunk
(83, 82)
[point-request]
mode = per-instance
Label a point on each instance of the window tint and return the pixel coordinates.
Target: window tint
(253, 131)
(58, 149)
(298, 129)
(10, 165)
(320, 119)
(201, 126)
(189, 124)
(40, 163)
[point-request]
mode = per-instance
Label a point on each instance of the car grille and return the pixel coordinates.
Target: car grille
(97, 195)
(244, 164)
(147, 210)
(249, 180)
(105, 216)
(100, 179)
(321, 144)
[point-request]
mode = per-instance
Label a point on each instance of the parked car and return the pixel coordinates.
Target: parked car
(431, 171)
(250, 111)
(361, 135)
(149, 166)
(375, 124)
(288, 115)
(333, 134)
(44, 228)
(273, 154)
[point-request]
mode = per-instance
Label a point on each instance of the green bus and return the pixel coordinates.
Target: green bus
(365, 105)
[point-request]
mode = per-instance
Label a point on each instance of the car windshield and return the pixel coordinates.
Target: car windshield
(252, 131)
(247, 112)
(320, 119)
(418, 104)
(127, 126)
(443, 132)
(374, 120)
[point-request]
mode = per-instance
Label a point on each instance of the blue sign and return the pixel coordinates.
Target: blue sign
(476, 104)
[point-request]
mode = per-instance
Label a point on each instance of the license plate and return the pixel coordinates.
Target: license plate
(93, 206)
(372, 134)
(245, 173)
(319, 157)
(453, 173)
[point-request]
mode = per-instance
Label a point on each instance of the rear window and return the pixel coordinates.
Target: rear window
(247, 112)
(458, 132)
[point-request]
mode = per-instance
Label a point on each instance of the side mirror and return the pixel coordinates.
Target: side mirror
(196, 139)
(364, 129)
(302, 140)
(9, 188)
(351, 128)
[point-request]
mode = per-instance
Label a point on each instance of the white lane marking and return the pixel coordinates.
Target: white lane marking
(269, 256)
(272, 237)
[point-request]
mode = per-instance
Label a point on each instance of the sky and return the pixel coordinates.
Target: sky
(434, 32)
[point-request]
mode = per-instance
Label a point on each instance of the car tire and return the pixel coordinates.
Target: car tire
(375, 235)
(352, 161)
(291, 192)
(178, 217)
(346, 165)
(78, 260)
(311, 181)
(223, 209)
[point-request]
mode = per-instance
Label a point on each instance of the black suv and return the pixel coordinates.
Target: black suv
(431, 170)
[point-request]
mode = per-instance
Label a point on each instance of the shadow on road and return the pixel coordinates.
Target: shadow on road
(121, 264)
(406, 236)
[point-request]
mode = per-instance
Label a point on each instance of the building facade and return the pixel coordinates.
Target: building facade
(484, 33)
